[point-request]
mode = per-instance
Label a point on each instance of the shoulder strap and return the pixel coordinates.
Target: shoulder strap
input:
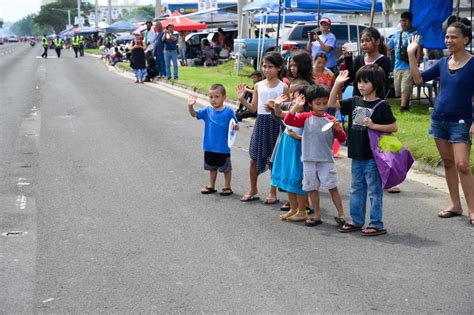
(377, 105)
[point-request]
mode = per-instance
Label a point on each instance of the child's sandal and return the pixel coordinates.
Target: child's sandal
(208, 190)
(226, 192)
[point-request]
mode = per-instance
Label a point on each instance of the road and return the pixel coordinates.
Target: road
(104, 175)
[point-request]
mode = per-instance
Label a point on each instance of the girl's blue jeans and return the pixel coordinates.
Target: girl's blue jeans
(366, 181)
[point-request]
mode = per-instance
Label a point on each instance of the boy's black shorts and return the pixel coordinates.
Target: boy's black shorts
(217, 161)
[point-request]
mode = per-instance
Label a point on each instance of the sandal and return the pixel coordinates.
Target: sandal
(271, 200)
(349, 227)
(373, 231)
(285, 207)
(298, 216)
(340, 221)
(226, 192)
(208, 190)
(247, 198)
(445, 214)
(313, 222)
(309, 210)
(290, 213)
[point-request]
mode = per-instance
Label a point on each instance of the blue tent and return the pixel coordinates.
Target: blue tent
(121, 26)
(290, 17)
(428, 17)
(335, 6)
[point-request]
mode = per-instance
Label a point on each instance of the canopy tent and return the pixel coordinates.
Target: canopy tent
(125, 37)
(428, 20)
(216, 19)
(334, 6)
(290, 17)
(120, 26)
(182, 23)
(86, 30)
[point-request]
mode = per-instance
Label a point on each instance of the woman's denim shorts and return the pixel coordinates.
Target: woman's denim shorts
(453, 132)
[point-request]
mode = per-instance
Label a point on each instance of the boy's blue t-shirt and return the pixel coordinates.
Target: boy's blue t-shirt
(394, 43)
(454, 101)
(216, 128)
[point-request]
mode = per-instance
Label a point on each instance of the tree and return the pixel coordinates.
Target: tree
(388, 5)
(26, 26)
(140, 14)
(54, 15)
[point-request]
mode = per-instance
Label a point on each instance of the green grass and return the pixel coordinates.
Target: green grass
(94, 51)
(412, 126)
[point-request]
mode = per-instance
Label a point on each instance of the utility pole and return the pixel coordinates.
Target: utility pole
(157, 8)
(96, 14)
(79, 13)
(109, 12)
(242, 24)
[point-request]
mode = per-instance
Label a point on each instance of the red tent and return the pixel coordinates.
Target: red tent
(182, 23)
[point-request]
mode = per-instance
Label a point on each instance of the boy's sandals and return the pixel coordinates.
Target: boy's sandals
(373, 231)
(226, 192)
(349, 227)
(290, 213)
(298, 216)
(208, 190)
(313, 222)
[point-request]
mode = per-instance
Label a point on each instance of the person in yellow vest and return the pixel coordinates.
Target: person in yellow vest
(75, 44)
(81, 45)
(45, 44)
(58, 45)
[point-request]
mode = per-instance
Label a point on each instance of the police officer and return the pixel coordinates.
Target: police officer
(81, 45)
(58, 45)
(75, 44)
(45, 44)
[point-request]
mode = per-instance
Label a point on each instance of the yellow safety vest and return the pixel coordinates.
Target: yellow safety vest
(58, 43)
(81, 39)
(75, 41)
(45, 42)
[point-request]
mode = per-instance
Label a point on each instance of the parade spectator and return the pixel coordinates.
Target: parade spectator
(149, 36)
(216, 118)
(369, 111)
(321, 74)
(242, 112)
(116, 57)
(159, 50)
(151, 69)
(402, 78)
(266, 129)
(451, 120)
(324, 41)
(182, 48)
(170, 41)
(137, 60)
(300, 66)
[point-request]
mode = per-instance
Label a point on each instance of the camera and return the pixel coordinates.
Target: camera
(316, 31)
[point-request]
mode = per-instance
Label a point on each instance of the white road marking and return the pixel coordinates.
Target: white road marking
(21, 202)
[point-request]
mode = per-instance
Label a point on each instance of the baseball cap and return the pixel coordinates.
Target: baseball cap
(325, 20)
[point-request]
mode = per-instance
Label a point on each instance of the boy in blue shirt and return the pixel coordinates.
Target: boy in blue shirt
(215, 146)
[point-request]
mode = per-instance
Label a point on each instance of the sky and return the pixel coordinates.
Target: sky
(14, 10)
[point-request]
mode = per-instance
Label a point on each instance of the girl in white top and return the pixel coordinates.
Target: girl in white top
(266, 129)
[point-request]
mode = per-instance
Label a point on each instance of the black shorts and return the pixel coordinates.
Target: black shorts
(217, 161)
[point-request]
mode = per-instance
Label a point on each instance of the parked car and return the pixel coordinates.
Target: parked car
(297, 35)
(194, 41)
(12, 39)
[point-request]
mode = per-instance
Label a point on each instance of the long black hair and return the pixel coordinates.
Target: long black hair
(303, 63)
(374, 34)
(275, 59)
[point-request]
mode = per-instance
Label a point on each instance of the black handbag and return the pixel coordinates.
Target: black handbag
(403, 50)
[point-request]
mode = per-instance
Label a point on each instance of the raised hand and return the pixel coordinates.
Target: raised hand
(280, 99)
(337, 126)
(414, 44)
(241, 90)
(342, 77)
(299, 103)
(192, 100)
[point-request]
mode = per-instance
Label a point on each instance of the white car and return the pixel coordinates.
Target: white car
(12, 39)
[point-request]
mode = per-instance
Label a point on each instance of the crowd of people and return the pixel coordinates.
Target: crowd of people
(294, 133)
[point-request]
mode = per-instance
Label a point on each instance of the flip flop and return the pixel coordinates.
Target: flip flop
(394, 190)
(285, 207)
(375, 231)
(445, 214)
(208, 190)
(313, 222)
(226, 192)
(349, 227)
(340, 221)
(271, 201)
(247, 198)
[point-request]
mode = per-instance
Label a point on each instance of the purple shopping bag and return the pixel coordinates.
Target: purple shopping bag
(392, 158)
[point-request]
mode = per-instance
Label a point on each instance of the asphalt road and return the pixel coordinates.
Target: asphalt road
(104, 175)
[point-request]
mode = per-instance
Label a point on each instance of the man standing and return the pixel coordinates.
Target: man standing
(75, 44)
(324, 41)
(58, 45)
(403, 79)
(159, 50)
(171, 51)
(45, 44)
(81, 45)
(149, 37)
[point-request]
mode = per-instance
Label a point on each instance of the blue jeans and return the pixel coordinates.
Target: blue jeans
(160, 64)
(171, 56)
(366, 180)
(140, 74)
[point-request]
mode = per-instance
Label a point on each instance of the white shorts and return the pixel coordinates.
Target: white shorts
(318, 175)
